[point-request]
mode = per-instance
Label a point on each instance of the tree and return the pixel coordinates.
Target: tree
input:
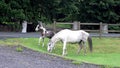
(62, 10)
(99, 11)
(4, 11)
(67, 10)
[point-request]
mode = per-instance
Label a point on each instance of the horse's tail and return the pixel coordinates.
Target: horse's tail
(90, 43)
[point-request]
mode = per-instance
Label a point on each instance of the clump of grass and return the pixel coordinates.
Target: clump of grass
(76, 62)
(9, 42)
(19, 48)
(106, 66)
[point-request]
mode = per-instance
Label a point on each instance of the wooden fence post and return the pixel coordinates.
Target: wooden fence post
(24, 27)
(105, 28)
(75, 25)
(79, 25)
(54, 26)
(100, 34)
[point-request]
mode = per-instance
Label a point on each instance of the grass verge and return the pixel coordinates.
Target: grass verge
(106, 51)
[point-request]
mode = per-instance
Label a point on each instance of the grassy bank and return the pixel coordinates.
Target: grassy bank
(106, 51)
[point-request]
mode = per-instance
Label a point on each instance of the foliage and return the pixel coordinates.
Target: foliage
(4, 10)
(106, 11)
(117, 27)
(99, 11)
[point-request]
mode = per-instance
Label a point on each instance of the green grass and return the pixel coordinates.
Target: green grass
(19, 48)
(68, 26)
(106, 51)
(63, 26)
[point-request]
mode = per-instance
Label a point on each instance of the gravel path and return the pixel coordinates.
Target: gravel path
(10, 58)
(4, 35)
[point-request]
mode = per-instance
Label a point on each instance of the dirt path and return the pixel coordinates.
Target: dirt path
(10, 58)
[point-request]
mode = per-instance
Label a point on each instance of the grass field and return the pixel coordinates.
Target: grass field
(106, 51)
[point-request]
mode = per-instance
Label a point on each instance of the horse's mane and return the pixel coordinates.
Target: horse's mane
(55, 38)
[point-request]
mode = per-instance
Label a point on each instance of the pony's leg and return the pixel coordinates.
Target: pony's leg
(39, 40)
(64, 48)
(80, 47)
(43, 42)
(84, 47)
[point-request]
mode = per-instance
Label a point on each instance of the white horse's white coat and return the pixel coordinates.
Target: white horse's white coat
(67, 35)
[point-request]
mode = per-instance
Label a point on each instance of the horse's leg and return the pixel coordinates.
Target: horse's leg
(84, 46)
(39, 40)
(43, 41)
(64, 48)
(80, 47)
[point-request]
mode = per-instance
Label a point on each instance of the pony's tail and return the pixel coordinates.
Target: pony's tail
(90, 43)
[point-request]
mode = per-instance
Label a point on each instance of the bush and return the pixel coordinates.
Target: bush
(115, 27)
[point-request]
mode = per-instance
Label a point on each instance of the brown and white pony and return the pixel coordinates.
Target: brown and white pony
(44, 33)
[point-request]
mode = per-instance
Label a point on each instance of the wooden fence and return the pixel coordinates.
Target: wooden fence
(78, 25)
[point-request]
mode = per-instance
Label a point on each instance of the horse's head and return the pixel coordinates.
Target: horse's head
(39, 27)
(50, 47)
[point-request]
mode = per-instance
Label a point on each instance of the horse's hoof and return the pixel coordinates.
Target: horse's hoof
(85, 54)
(64, 54)
(42, 45)
(78, 54)
(38, 43)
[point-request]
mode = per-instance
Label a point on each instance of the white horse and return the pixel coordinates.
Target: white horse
(67, 35)
(44, 33)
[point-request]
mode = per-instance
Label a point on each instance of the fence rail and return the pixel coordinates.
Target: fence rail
(78, 25)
